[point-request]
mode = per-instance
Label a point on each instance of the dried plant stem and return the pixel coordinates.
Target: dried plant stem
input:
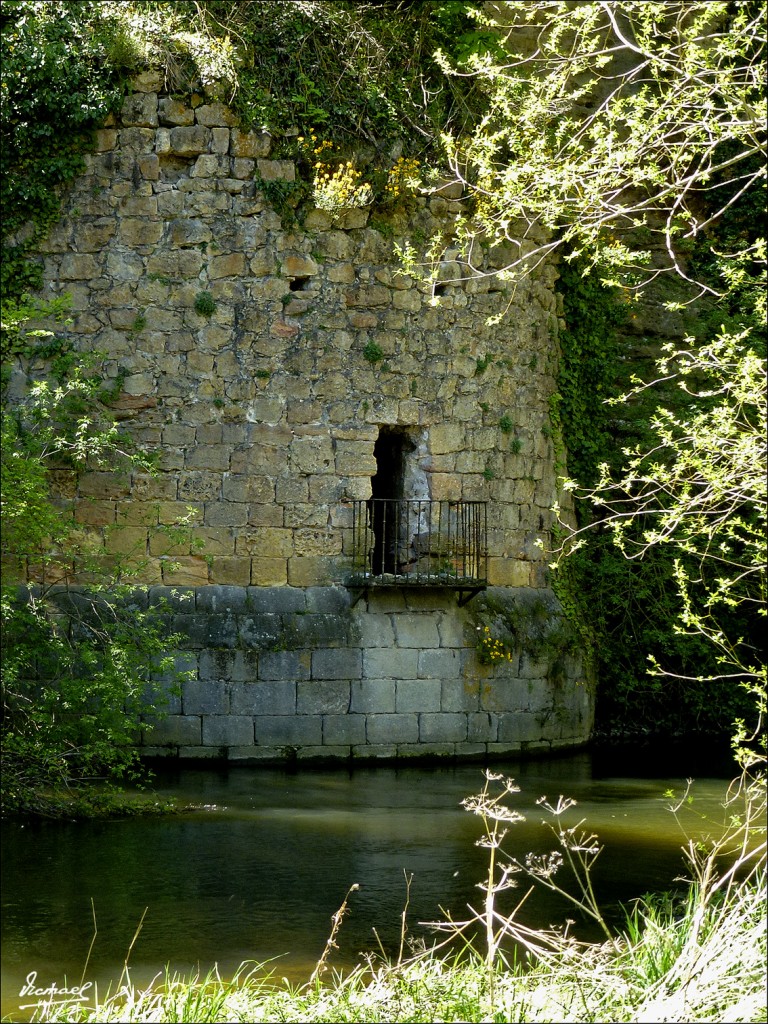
(336, 919)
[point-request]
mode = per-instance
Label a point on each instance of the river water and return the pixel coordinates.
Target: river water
(257, 871)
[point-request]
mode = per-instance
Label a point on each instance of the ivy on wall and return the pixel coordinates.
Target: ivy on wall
(626, 612)
(57, 86)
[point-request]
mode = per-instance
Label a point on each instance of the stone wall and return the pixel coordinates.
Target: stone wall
(265, 413)
(284, 673)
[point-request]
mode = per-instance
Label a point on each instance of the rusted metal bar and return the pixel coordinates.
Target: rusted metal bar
(417, 542)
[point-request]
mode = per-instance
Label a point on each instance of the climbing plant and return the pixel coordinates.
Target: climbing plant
(84, 657)
(57, 84)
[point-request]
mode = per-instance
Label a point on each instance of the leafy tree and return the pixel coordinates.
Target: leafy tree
(629, 137)
(615, 115)
(83, 655)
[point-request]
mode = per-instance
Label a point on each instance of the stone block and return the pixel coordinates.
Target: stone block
(503, 695)
(376, 630)
(328, 600)
(216, 664)
(310, 455)
(78, 267)
(316, 542)
(446, 438)
(98, 513)
(310, 571)
(318, 697)
(226, 513)
(276, 697)
(215, 114)
(93, 236)
(442, 728)
(222, 599)
(260, 631)
(251, 754)
(243, 168)
(205, 697)
(185, 570)
(127, 540)
(227, 730)
(445, 487)
(392, 728)
(291, 665)
(337, 663)
(229, 570)
(416, 631)
(323, 754)
(482, 727)
(509, 572)
(249, 144)
(298, 266)
(245, 667)
(175, 730)
(276, 170)
(174, 112)
(375, 752)
(315, 630)
(289, 730)
(443, 663)
(367, 296)
(178, 265)
(433, 751)
(140, 110)
(220, 145)
(105, 139)
(520, 727)
(343, 729)
(190, 141)
(272, 541)
(231, 265)
(355, 458)
(349, 220)
(380, 663)
(276, 600)
(459, 694)
(269, 572)
(417, 695)
(372, 696)
(189, 231)
(452, 629)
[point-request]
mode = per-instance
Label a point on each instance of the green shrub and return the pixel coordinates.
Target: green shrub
(205, 304)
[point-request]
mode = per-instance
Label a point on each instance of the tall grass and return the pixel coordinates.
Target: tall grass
(701, 957)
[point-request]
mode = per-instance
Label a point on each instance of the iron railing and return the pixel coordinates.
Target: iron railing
(413, 542)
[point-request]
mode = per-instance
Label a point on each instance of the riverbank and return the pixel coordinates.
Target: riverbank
(697, 955)
(704, 964)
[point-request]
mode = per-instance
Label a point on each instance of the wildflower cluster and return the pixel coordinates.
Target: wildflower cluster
(489, 649)
(311, 147)
(403, 178)
(340, 189)
(335, 186)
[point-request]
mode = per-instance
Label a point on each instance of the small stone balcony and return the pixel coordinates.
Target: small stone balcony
(399, 542)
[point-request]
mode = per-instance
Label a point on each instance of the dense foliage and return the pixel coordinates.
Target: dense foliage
(630, 138)
(83, 654)
(57, 85)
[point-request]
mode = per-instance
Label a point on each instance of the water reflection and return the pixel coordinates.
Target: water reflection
(259, 873)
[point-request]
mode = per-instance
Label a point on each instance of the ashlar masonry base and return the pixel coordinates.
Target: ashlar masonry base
(287, 674)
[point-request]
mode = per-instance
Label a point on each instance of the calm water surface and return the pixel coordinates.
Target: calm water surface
(257, 874)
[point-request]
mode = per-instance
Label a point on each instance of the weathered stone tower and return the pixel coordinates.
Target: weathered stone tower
(367, 460)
